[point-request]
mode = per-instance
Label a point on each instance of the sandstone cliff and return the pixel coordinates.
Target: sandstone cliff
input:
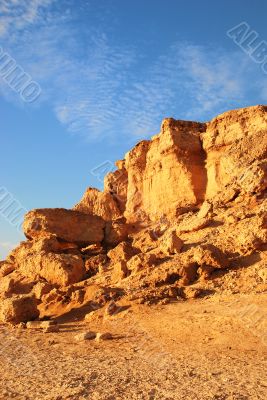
(186, 163)
(183, 215)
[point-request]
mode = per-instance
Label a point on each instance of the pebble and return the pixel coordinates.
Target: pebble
(51, 328)
(112, 308)
(85, 336)
(103, 336)
(34, 325)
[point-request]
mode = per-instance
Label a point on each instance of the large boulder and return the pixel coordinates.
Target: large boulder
(99, 203)
(46, 243)
(16, 309)
(34, 260)
(67, 225)
(58, 269)
(116, 232)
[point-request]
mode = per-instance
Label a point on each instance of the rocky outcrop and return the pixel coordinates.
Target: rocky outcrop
(181, 209)
(236, 147)
(185, 164)
(188, 162)
(166, 175)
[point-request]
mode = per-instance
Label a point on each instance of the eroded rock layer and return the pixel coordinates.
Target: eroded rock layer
(183, 215)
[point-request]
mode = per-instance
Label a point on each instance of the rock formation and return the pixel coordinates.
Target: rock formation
(184, 208)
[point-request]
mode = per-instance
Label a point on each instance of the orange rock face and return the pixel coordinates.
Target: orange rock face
(116, 183)
(166, 174)
(99, 203)
(18, 309)
(188, 162)
(56, 266)
(236, 147)
(67, 225)
(187, 207)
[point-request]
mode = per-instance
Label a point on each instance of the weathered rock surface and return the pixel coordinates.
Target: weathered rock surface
(6, 268)
(116, 231)
(236, 147)
(170, 243)
(188, 207)
(56, 268)
(67, 225)
(18, 309)
(116, 183)
(167, 174)
(103, 336)
(99, 203)
(85, 336)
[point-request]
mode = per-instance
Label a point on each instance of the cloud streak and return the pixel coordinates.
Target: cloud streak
(18, 14)
(101, 87)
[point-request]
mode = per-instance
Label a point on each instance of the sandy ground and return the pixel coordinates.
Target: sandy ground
(199, 349)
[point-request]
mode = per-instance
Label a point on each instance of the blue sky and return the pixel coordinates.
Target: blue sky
(109, 72)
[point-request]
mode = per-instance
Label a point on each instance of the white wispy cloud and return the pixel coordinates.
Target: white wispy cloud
(18, 14)
(188, 81)
(94, 87)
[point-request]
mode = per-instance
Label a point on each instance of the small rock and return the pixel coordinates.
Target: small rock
(92, 315)
(231, 219)
(163, 302)
(141, 300)
(111, 308)
(103, 336)
(6, 268)
(34, 325)
(51, 329)
(41, 324)
(170, 243)
(48, 323)
(120, 271)
(85, 336)
(192, 293)
(194, 224)
(205, 210)
(41, 289)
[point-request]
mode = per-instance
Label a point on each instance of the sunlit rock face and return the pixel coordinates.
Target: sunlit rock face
(178, 209)
(236, 147)
(167, 174)
(67, 225)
